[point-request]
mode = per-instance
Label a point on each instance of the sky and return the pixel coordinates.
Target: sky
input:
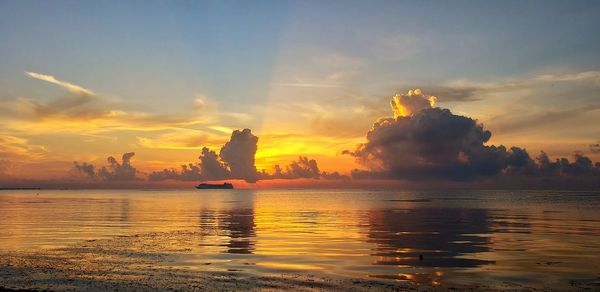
(81, 81)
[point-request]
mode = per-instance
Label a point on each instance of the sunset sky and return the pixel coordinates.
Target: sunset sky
(85, 80)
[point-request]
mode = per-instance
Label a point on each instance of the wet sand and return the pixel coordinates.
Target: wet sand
(149, 262)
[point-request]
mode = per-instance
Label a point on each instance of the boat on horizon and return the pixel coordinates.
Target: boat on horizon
(205, 186)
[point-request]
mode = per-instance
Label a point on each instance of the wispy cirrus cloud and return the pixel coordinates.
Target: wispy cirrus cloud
(85, 111)
(466, 90)
(66, 85)
(12, 146)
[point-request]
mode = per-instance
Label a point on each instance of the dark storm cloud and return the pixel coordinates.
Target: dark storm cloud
(115, 171)
(435, 144)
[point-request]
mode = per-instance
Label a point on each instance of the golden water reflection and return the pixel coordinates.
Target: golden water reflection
(420, 237)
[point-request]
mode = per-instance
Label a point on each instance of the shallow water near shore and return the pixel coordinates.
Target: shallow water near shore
(434, 238)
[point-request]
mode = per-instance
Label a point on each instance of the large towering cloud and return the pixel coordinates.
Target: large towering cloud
(238, 155)
(423, 142)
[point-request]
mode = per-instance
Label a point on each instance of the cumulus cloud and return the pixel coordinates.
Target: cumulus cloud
(85, 169)
(66, 85)
(115, 171)
(426, 143)
(188, 172)
(211, 167)
(404, 105)
(432, 143)
(119, 171)
(581, 166)
(302, 168)
(238, 155)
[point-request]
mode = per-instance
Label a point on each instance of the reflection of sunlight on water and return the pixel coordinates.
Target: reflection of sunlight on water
(421, 237)
(289, 266)
(432, 278)
(417, 278)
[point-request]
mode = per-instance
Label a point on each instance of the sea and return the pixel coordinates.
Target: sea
(523, 237)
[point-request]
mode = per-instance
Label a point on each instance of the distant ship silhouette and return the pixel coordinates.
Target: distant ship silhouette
(204, 186)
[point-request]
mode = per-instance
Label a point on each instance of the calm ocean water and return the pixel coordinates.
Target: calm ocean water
(524, 237)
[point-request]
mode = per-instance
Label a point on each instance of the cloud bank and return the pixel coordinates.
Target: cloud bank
(420, 143)
(303, 167)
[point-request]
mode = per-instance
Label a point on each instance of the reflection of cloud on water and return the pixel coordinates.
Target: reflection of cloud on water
(432, 238)
(240, 223)
(235, 223)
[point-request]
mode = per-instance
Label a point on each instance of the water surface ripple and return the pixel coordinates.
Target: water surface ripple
(522, 237)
